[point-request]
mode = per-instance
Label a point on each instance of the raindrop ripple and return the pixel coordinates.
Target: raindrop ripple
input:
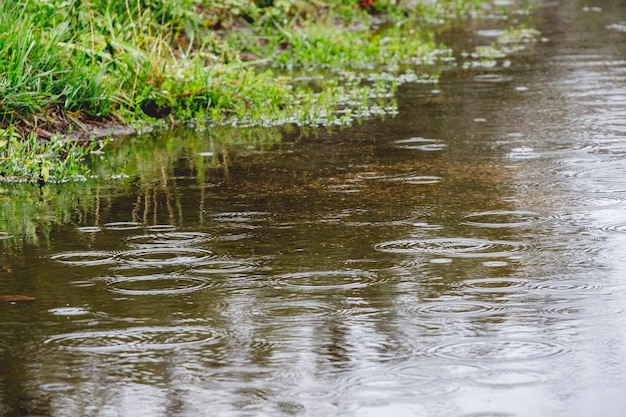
(347, 279)
(155, 240)
(165, 256)
(502, 218)
(136, 339)
(454, 247)
(86, 258)
(157, 284)
(497, 350)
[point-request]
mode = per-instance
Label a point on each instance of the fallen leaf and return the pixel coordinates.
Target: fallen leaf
(15, 298)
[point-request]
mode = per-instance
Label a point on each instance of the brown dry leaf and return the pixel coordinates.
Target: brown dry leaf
(15, 298)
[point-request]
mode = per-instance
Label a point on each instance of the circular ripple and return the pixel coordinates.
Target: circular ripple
(167, 239)
(420, 144)
(69, 311)
(492, 78)
(299, 311)
(398, 384)
(509, 378)
(313, 393)
(440, 261)
(347, 313)
(495, 264)
(490, 33)
(136, 339)
(574, 311)
(156, 285)
(495, 284)
(84, 284)
(523, 152)
(502, 218)
(566, 286)
(497, 350)
(291, 312)
(594, 202)
(453, 247)
(89, 229)
(458, 308)
(231, 237)
(605, 179)
(224, 266)
(618, 228)
(416, 179)
(241, 216)
(160, 228)
(442, 371)
(57, 387)
(84, 258)
(165, 256)
(328, 280)
(122, 225)
(307, 387)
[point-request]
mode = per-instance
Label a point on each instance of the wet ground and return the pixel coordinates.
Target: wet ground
(465, 258)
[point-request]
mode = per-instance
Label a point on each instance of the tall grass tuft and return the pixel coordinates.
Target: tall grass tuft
(66, 64)
(38, 72)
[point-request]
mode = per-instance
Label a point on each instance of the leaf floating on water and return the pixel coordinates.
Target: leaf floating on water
(15, 298)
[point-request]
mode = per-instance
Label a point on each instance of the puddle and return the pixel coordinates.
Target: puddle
(462, 258)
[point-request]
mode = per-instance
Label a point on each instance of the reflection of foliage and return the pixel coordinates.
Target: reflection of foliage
(153, 158)
(28, 211)
(152, 162)
(29, 160)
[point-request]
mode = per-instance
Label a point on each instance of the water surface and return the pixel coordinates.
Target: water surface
(465, 258)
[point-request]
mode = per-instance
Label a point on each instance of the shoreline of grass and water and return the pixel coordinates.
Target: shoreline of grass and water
(67, 154)
(74, 74)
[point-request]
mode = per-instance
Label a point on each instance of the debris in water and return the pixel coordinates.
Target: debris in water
(15, 298)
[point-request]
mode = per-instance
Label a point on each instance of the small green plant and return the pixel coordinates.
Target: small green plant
(31, 160)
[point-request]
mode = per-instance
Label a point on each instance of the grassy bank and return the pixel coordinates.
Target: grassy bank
(79, 68)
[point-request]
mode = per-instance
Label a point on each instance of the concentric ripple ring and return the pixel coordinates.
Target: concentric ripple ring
(328, 280)
(453, 247)
(86, 258)
(157, 284)
(136, 339)
(165, 256)
(497, 350)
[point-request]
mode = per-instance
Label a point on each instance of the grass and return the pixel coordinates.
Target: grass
(71, 67)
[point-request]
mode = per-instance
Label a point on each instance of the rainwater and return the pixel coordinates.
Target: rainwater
(465, 258)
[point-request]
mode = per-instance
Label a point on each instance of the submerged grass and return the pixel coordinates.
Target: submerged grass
(71, 67)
